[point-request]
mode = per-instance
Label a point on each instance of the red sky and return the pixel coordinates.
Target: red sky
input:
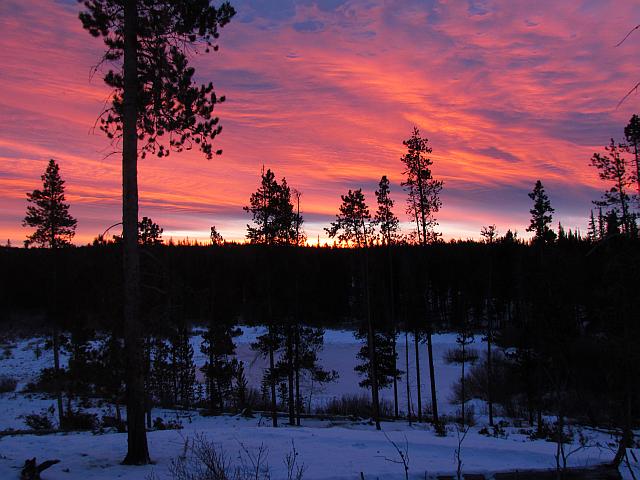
(323, 93)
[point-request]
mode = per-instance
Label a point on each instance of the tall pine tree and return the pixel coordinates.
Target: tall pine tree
(156, 107)
(541, 215)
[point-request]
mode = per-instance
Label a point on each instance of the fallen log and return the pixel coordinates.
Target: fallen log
(32, 471)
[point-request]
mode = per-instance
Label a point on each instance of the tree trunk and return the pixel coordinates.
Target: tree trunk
(56, 365)
(434, 400)
(373, 366)
(416, 341)
(297, 381)
(489, 373)
(290, 374)
(396, 412)
(272, 379)
(137, 448)
(407, 376)
(395, 332)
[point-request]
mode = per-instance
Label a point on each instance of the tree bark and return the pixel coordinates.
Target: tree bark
(416, 341)
(56, 365)
(137, 449)
(407, 376)
(373, 366)
(434, 400)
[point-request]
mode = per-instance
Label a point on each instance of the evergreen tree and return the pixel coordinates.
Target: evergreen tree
(632, 134)
(389, 226)
(154, 94)
(149, 233)
(541, 216)
(386, 359)
(592, 229)
(219, 368)
(216, 238)
(490, 233)
(353, 227)
(49, 213)
(183, 368)
(424, 191)
(55, 227)
(272, 211)
(613, 167)
(353, 224)
(386, 220)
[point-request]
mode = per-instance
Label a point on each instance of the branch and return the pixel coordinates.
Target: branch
(628, 35)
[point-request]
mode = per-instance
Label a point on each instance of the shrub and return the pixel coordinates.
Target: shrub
(79, 420)
(40, 421)
(159, 424)
(356, 406)
(109, 421)
(46, 381)
(455, 355)
(7, 384)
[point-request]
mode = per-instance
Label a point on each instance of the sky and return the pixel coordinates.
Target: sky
(324, 93)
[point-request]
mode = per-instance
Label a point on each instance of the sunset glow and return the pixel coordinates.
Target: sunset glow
(324, 93)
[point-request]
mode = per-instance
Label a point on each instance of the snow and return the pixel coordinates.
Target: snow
(328, 449)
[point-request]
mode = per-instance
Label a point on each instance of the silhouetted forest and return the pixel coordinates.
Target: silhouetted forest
(567, 309)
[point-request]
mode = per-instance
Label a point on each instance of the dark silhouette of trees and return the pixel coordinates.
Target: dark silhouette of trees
(541, 215)
(48, 212)
(216, 237)
(489, 233)
(389, 225)
(384, 217)
(275, 222)
(424, 191)
(353, 227)
(154, 97)
(55, 227)
(613, 167)
(632, 134)
(149, 233)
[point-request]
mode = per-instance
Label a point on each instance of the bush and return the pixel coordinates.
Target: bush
(109, 421)
(159, 424)
(79, 420)
(46, 381)
(40, 421)
(355, 406)
(7, 384)
(455, 355)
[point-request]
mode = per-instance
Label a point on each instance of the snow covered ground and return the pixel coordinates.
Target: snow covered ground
(328, 450)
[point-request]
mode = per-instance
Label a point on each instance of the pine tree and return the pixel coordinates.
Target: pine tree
(592, 231)
(49, 213)
(216, 238)
(613, 167)
(632, 134)
(184, 368)
(384, 217)
(55, 227)
(389, 226)
(149, 233)
(219, 368)
(154, 94)
(424, 191)
(541, 216)
(353, 227)
(489, 233)
(272, 211)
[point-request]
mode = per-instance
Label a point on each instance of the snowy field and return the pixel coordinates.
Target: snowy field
(327, 449)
